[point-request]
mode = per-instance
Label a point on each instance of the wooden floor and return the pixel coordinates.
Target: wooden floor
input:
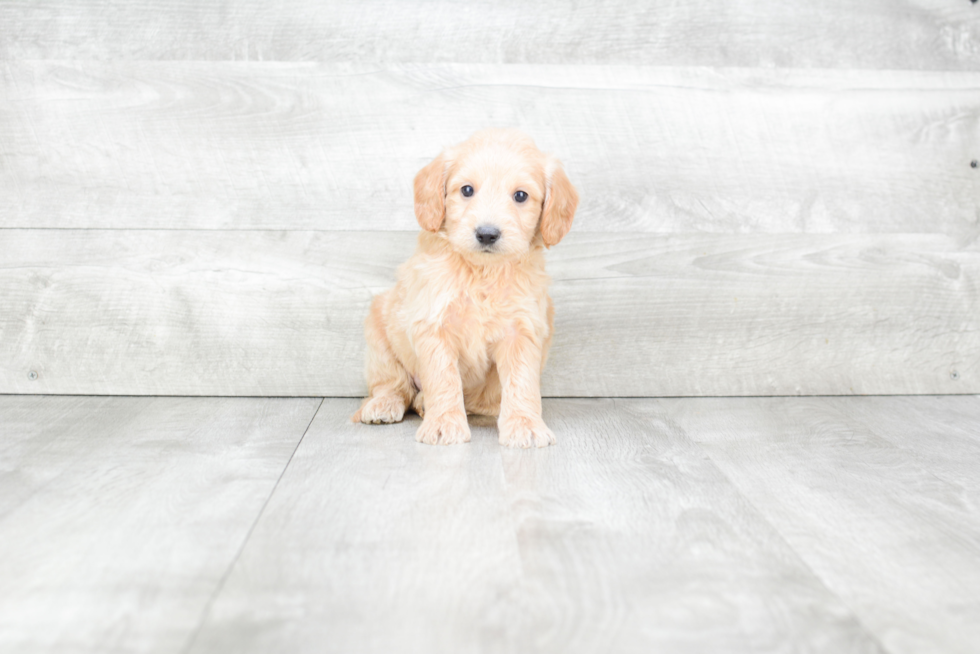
(158, 524)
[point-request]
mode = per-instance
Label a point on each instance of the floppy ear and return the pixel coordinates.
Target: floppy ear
(430, 194)
(560, 201)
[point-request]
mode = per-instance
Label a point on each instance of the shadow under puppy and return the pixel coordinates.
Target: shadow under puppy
(466, 328)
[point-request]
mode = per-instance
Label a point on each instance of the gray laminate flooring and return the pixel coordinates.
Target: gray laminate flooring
(162, 524)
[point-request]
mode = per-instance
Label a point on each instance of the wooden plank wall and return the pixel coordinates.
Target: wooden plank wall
(776, 198)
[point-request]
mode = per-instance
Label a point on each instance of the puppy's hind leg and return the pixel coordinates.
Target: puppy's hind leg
(486, 400)
(418, 404)
(391, 388)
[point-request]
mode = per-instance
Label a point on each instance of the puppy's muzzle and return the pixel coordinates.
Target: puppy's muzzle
(487, 235)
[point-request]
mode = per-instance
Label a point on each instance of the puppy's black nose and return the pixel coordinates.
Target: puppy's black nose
(487, 235)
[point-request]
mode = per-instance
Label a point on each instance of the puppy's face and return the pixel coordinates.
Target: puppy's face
(494, 197)
(493, 194)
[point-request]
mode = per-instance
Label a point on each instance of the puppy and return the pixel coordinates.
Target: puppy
(466, 328)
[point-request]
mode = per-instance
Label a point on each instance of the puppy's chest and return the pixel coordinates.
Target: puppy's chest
(476, 316)
(473, 324)
(479, 316)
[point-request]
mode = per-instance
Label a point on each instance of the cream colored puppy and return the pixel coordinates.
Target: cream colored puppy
(466, 328)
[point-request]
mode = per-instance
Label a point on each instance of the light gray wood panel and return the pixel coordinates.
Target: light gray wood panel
(915, 34)
(886, 521)
(289, 146)
(631, 540)
(120, 516)
(373, 542)
(280, 313)
(764, 315)
(942, 433)
(621, 538)
(190, 313)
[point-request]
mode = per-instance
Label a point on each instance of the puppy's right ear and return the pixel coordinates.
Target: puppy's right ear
(430, 194)
(561, 200)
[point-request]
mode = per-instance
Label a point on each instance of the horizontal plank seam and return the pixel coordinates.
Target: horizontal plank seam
(584, 230)
(546, 397)
(273, 229)
(348, 68)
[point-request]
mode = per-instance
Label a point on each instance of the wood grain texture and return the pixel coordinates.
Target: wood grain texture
(374, 542)
(881, 512)
(191, 313)
(281, 313)
(776, 315)
(120, 516)
(631, 540)
(313, 146)
(940, 432)
(915, 34)
(622, 538)
(684, 525)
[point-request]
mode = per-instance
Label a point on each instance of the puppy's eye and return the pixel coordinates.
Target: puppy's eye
(520, 196)
(467, 191)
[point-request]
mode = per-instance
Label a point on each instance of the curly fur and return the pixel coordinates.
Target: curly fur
(467, 327)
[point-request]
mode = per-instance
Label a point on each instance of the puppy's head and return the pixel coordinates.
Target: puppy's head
(495, 196)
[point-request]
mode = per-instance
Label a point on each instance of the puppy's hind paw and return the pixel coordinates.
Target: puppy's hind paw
(449, 429)
(525, 432)
(418, 404)
(381, 409)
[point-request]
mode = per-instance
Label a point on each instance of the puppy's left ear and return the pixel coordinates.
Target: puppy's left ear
(560, 202)
(430, 194)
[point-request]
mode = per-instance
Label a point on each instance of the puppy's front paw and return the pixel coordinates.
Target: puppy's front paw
(525, 432)
(381, 409)
(447, 429)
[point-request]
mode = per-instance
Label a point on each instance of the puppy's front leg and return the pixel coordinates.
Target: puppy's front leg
(520, 424)
(445, 415)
